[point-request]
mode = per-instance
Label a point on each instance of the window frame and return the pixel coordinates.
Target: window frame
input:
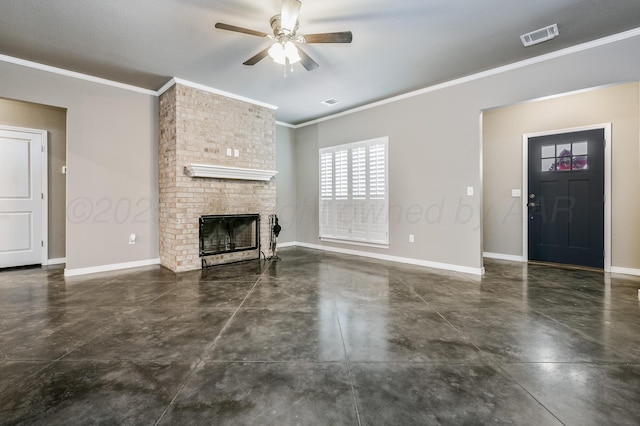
(343, 217)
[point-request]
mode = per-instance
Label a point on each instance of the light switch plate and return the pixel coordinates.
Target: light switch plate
(411, 238)
(229, 152)
(515, 193)
(236, 153)
(469, 190)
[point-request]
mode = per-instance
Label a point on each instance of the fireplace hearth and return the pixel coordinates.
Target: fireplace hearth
(223, 234)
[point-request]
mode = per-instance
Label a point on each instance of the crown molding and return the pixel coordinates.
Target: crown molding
(74, 74)
(516, 65)
(283, 124)
(510, 67)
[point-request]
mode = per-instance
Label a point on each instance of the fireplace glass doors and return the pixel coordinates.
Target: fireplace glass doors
(220, 234)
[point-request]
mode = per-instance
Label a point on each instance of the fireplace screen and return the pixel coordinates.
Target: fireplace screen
(229, 233)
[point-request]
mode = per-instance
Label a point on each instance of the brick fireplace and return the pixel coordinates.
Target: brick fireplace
(197, 128)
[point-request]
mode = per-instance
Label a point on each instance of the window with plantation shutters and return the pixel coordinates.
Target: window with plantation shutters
(354, 199)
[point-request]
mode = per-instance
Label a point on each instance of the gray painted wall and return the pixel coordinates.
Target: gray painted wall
(502, 152)
(112, 182)
(286, 183)
(435, 150)
(54, 121)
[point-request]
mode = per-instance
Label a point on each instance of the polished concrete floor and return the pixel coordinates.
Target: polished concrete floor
(320, 339)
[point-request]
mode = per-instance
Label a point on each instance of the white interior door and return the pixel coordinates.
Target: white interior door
(21, 197)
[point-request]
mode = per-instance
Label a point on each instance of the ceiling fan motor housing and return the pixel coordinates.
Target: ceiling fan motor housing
(280, 33)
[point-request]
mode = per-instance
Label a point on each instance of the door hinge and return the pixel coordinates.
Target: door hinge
(41, 243)
(42, 195)
(604, 254)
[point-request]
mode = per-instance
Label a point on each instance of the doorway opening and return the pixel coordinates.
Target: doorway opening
(567, 213)
(23, 197)
(52, 119)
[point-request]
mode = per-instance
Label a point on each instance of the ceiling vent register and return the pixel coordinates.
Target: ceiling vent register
(330, 102)
(539, 36)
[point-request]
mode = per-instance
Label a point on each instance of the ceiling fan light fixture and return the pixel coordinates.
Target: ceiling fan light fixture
(291, 51)
(283, 52)
(277, 53)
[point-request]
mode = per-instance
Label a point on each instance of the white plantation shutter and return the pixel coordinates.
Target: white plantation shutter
(378, 197)
(327, 207)
(342, 202)
(326, 176)
(377, 178)
(354, 198)
(359, 173)
(359, 225)
(342, 174)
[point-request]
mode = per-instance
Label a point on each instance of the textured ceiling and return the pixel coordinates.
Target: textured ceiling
(398, 46)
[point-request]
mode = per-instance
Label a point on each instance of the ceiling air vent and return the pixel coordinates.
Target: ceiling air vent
(330, 102)
(538, 36)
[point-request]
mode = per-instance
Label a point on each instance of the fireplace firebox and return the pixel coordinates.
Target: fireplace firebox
(223, 234)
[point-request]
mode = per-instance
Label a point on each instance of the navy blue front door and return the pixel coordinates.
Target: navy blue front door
(566, 198)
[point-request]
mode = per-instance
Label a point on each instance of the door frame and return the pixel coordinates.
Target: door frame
(607, 186)
(45, 186)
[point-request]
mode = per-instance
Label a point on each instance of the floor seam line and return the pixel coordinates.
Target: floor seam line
(444, 319)
(210, 347)
(346, 359)
(235, 312)
(179, 391)
(530, 394)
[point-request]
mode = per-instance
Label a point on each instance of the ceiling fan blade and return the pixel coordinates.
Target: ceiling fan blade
(340, 37)
(228, 27)
(289, 15)
(257, 57)
(306, 61)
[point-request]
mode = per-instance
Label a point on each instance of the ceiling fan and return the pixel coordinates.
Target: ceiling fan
(285, 49)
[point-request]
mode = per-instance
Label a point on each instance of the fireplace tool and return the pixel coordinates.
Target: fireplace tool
(275, 228)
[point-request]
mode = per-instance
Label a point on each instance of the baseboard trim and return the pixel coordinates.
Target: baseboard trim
(407, 260)
(501, 256)
(626, 271)
(57, 261)
(287, 244)
(111, 267)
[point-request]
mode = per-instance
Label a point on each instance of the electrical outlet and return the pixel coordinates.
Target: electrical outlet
(236, 153)
(469, 190)
(411, 238)
(132, 239)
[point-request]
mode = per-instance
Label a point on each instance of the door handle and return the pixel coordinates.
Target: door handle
(532, 204)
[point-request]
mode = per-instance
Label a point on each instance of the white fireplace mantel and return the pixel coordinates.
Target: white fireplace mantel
(224, 172)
